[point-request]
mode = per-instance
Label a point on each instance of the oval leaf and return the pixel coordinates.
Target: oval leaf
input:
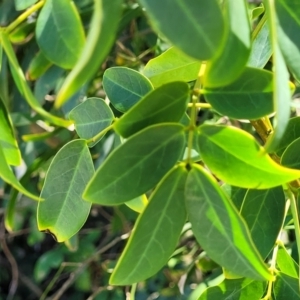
(124, 87)
(165, 104)
(182, 22)
(59, 32)
(222, 70)
(290, 157)
(219, 229)
(286, 287)
(171, 66)
(64, 212)
(91, 117)
(137, 165)
(249, 97)
(236, 158)
(156, 232)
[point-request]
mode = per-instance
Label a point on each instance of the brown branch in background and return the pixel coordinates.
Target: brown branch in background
(14, 267)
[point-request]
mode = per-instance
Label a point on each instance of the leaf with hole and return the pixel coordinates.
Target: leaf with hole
(235, 157)
(64, 211)
(156, 231)
(137, 165)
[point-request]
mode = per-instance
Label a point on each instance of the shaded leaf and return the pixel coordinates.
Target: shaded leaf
(235, 194)
(64, 212)
(222, 70)
(249, 97)
(101, 36)
(165, 104)
(235, 289)
(128, 173)
(290, 157)
(156, 232)
(182, 22)
(286, 263)
(124, 87)
(219, 229)
(172, 65)
(286, 287)
(59, 32)
(23, 4)
(38, 66)
(91, 117)
(264, 211)
(235, 157)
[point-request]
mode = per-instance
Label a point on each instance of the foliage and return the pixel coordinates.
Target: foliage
(180, 117)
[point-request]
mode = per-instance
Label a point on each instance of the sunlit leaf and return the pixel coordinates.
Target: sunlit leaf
(182, 22)
(138, 204)
(64, 212)
(219, 229)
(59, 32)
(38, 66)
(286, 263)
(165, 104)
(248, 97)
(172, 65)
(156, 231)
(128, 173)
(124, 87)
(91, 117)
(235, 157)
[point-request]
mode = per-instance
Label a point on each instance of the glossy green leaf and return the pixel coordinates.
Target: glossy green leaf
(290, 157)
(165, 104)
(172, 65)
(263, 211)
(23, 4)
(248, 97)
(235, 157)
(22, 33)
(235, 194)
(138, 204)
(282, 93)
(235, 289)
(38, 66)
(156, 232)
(219, 229)
(286, 263)
(288, 15)
(64, 212)
(124, 87)
(101, 36)
(59, 33)
(8, 176)
(292, 132)
(231, 61)
(7, 138)
(256, 12)
(261, 50)
(128, 173)
(286, 287)
(91, 117)
(182, 22)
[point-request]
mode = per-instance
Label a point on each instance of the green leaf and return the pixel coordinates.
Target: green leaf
(288, 15)
(282, 93)
(263, 211)
(23, 4)
(256, 12)
(219, 229)
(171, 66)
(165, 104)
(286, 263)
(248, 97)
(235, 157)
(91, 117)
(290, 157)
(223, 69)
(195, 27)
(8, 176)
(137, 165)
(138, 204)
(261, 50)
(124, 87)
(38, 66)
(103, 28)
(21, 33)
(64, 212)
(235, 289)
(235, 194)
(7, 138)
(59, 33)
(286, 287)
(156, 231)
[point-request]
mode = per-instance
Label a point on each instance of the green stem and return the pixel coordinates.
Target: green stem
(259, 26)
(132, 291)
(99, 135)
(200, 105)
(191, 129)
(24, 16)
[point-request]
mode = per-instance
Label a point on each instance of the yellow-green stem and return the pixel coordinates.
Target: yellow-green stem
(99, 135)
(132, 291)
(200, 105)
